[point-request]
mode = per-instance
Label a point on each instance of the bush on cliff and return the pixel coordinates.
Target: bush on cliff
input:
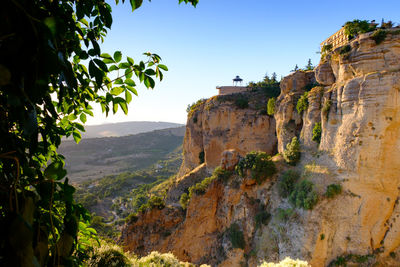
(287, 182)
(271, 106)
(292, 153)
(332, 190)
(154, 202)
(184, 200)
(287, 262)
(356, 27)
(302, 103)
(304, 195)
(236, 236)
(316, 132)
(259, 164)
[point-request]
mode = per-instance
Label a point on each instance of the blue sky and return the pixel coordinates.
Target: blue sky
(209, 45)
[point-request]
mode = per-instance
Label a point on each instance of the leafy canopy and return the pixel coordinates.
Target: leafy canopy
(52, 70)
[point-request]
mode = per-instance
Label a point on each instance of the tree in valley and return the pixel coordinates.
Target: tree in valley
(52, 71)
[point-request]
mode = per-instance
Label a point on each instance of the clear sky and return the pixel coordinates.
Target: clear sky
(209, 45)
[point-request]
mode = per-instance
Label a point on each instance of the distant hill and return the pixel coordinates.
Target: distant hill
(126, 128)
(94, 158)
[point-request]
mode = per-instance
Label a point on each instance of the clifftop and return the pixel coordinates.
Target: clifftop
(337, 204)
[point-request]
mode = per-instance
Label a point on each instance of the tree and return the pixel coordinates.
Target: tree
(356, 27)
(309, 65)
(51, 71)
(296, 68)
(274, 78)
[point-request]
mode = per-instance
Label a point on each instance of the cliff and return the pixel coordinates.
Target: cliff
(343, 204)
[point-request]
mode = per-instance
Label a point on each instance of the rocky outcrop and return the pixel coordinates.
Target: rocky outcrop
(220, 123)
(358, 106)
(288, 121)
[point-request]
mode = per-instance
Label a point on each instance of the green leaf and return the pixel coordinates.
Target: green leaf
(128, 73)
(117, 56)
(130, 60)
(79, 126)
(115, 107)
(107, 56)
(133, 90)
(113, 67)
(150, 72)
(77, 136)
(117, 90)
(95, 72)
(83, 117)
(124, 107)
(124, 65)
(163, 67)
(128, 96)
(55, 171)
(72, 117)
(135, 4)
(101, 64)
(119, 81)
(130, 82)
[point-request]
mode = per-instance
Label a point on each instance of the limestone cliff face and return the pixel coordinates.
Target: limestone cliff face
(220, 124)
(357, 103)
(288, 121)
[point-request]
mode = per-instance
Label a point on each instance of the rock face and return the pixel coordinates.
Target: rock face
(288, 121)
(219, 124)
(357, 103)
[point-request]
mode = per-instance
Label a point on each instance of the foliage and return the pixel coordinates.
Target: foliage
(107, 254)
(379, 36)
(287, 262)
(184, 200)
(332, 190)
(345, 49)
(292, 152)
(310, 86)
(316, 133)
(260, 165)
(356, 27)
(326, 108)
(326, 48)
(296, 68)
(154, 202)
(304, 195)
(302, 103)
(201, 157)
(262, 217)
(221, 174)
(284, 215)
(236, 236)
(45, 88)
(309, 65)
(200, 188)
(269, 85)
(271, 106)
(242, 102)
(286, 182)
(192, 108)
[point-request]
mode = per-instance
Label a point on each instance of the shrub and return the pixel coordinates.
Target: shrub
(236, 236)
(286, 183)
(132, 218)
(157, 259)
(355, 27)
(379, 36)
(287, 262)
(221, 174)
(201, 157)
(242, 102)
(345, 49)
(108, 255)
(184, 200)
(200, 188)
(284, 215)
(262, 217)
(316, 133)
(154, 202)
(332, 190)
(326, 48)
(292, 152)
(302, 103)
(271, 106)
(326, 108)
(260, 165)
(191, 109)
(304, 195)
